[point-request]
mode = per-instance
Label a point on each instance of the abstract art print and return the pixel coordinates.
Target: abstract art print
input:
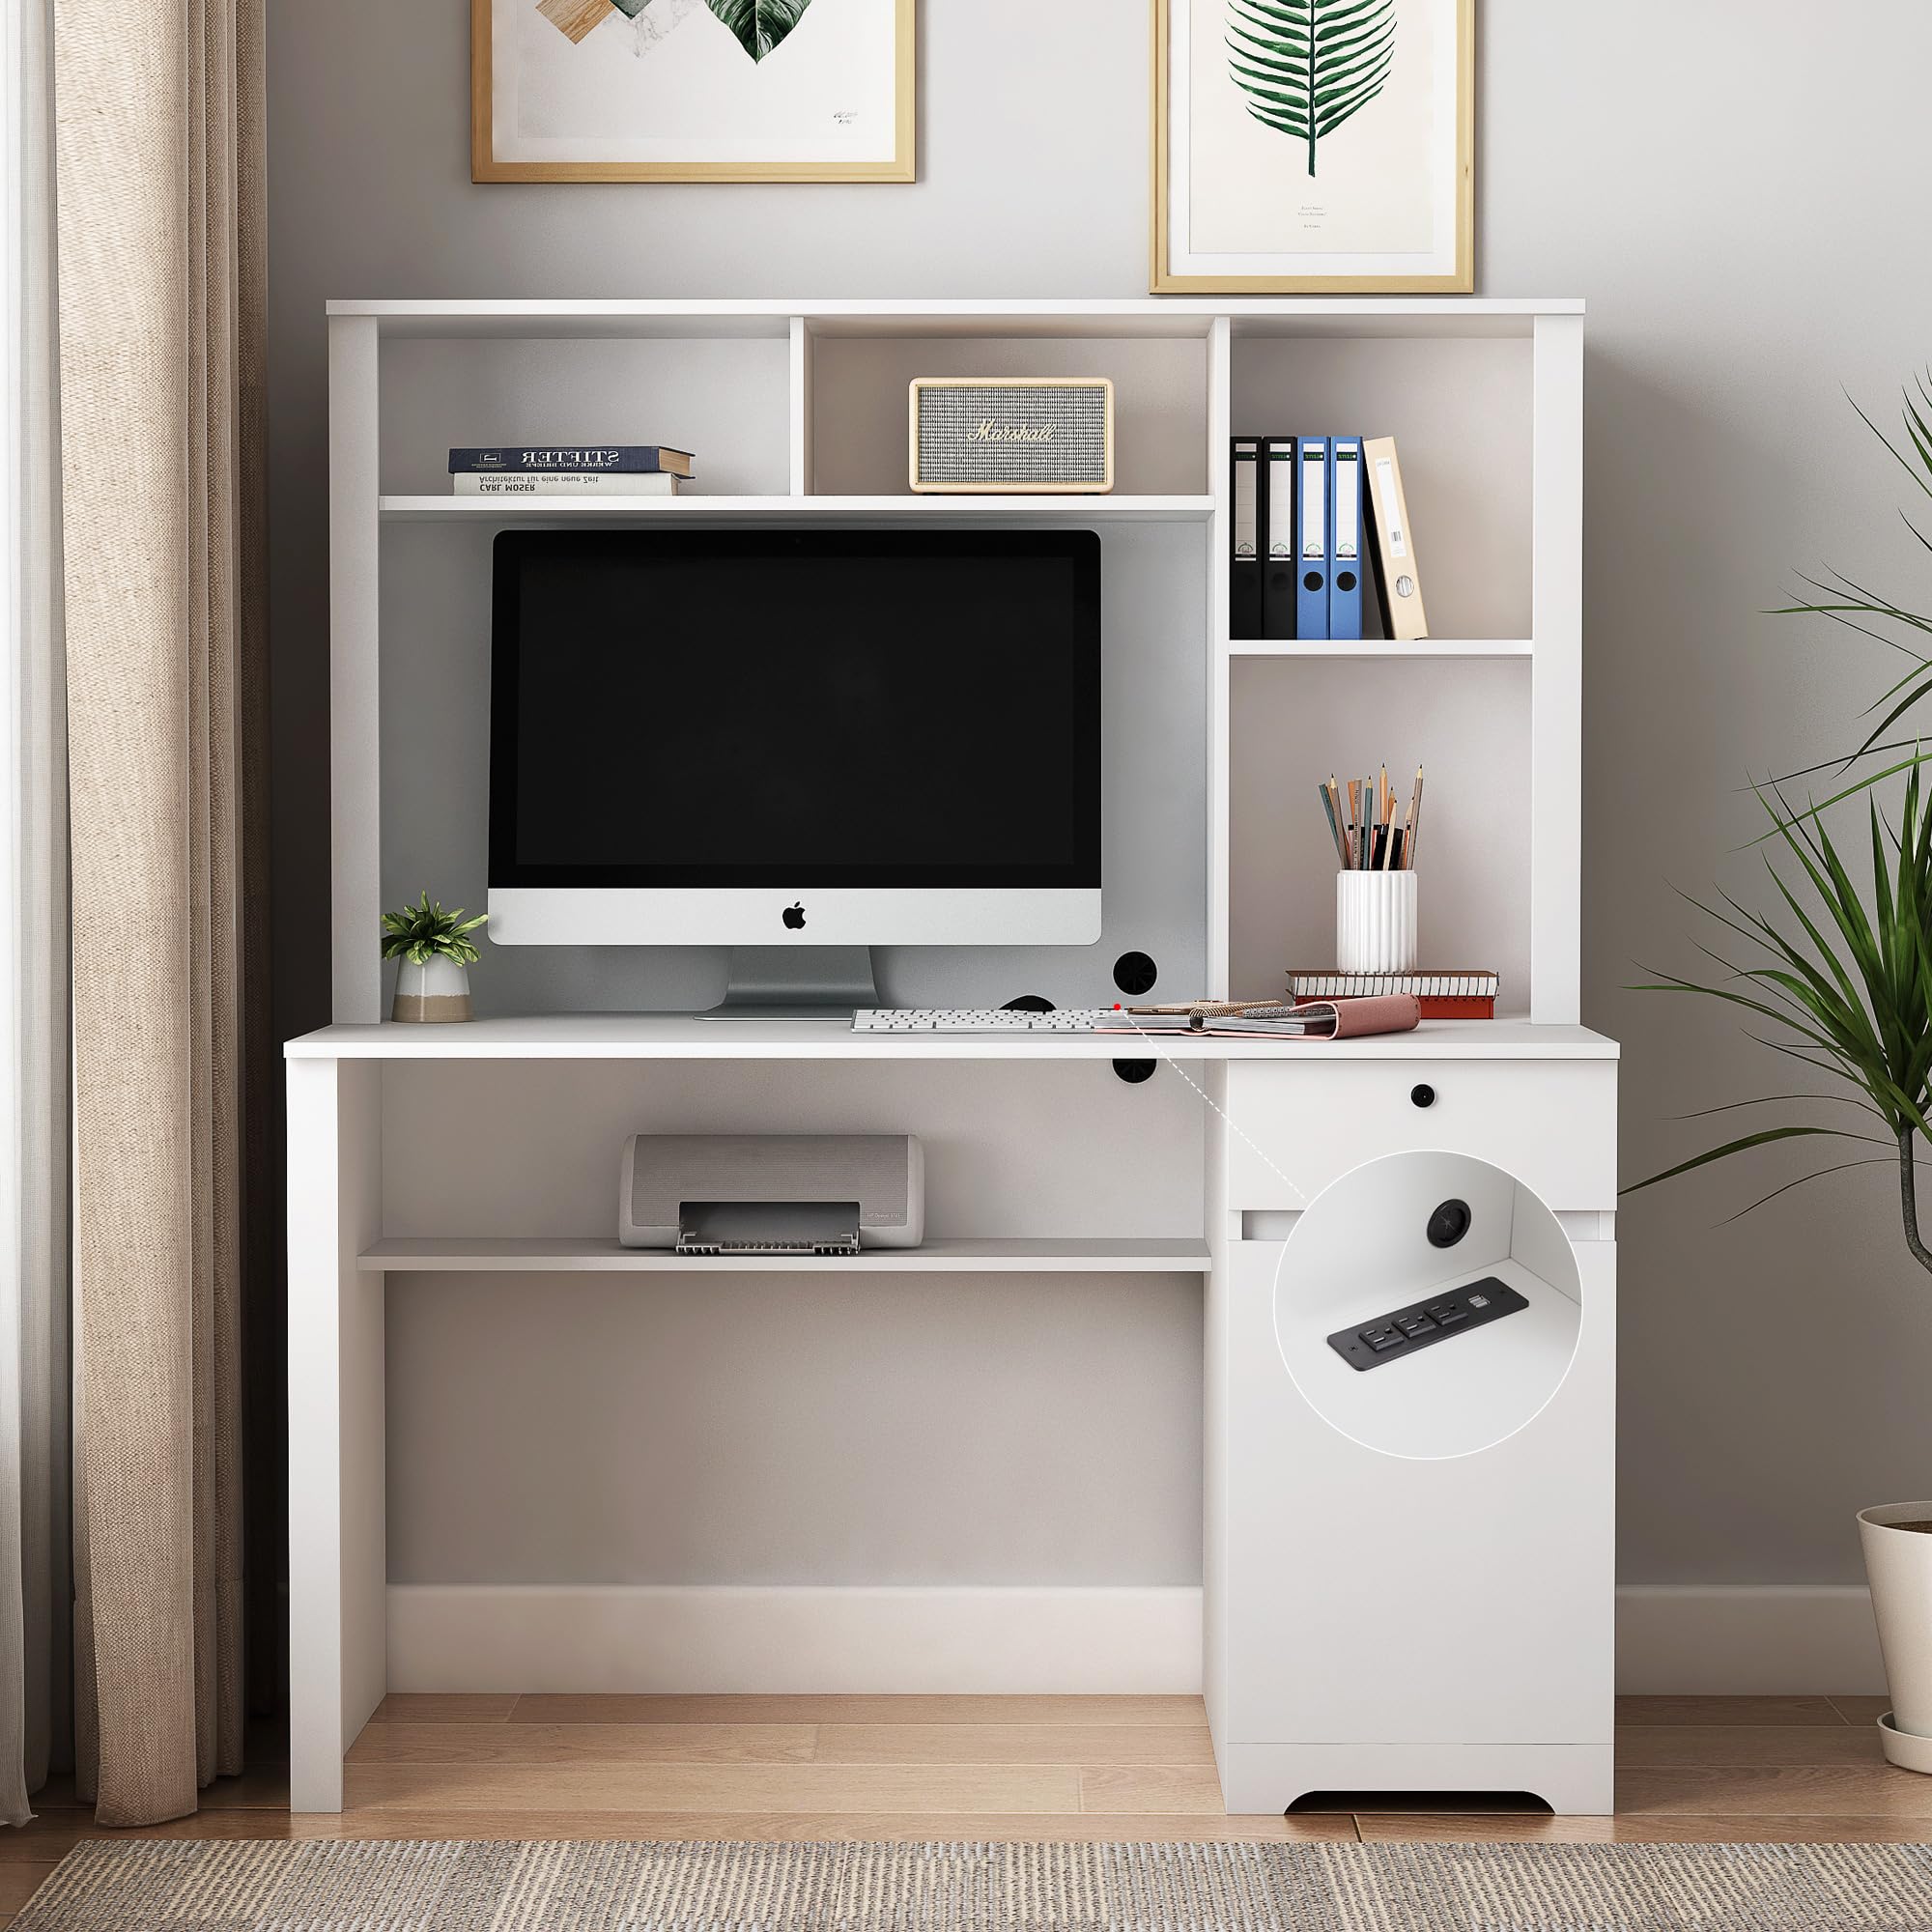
(1313, 147)
(690, 90)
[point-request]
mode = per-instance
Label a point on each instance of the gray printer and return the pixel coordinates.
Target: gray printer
(775, 1194)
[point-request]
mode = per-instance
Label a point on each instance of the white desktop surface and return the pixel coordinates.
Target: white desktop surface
(681, 1036)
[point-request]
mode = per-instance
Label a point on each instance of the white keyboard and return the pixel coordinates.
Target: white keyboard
(980, 1019)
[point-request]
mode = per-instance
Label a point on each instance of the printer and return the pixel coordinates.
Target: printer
(772, 1194)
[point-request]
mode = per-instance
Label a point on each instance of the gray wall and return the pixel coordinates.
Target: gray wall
(1744, 212)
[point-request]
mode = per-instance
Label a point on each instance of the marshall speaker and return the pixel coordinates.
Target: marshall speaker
(1019, 433)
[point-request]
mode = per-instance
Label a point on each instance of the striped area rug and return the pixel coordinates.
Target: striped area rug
(512, 1886)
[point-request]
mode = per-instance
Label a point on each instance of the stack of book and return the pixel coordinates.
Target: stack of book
(570, 469)
(1445, 996)
(1311, 515)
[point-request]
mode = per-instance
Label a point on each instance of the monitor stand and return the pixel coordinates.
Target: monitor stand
(797, 983)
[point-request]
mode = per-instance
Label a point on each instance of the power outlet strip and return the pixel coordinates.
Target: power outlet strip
(1389, 1338)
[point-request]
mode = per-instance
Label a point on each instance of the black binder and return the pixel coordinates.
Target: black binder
(1280, 568)
(1249, 500)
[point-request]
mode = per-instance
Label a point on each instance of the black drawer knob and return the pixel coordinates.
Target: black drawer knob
(1422, 1095)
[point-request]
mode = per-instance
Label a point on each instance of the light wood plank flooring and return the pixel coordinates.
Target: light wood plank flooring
(1746, 1768)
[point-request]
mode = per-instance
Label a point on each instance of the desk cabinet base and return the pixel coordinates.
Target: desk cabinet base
(1575, 1781)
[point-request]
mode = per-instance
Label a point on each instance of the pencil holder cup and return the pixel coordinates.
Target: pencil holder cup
(1375, 921)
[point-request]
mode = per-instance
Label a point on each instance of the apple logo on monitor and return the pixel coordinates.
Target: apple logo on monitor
(794, 918)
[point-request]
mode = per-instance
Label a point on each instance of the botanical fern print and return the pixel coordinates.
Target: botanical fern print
(1306, 66)
(759, 24)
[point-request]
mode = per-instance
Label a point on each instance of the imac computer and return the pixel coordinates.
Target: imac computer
(797, 743)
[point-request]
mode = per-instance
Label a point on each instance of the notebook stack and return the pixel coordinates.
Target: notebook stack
(570, 469)
(1443, 996)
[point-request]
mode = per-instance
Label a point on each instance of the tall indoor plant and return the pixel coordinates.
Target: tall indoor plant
(1840, 978)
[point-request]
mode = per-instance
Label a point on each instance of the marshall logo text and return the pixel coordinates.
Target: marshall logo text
(989, 430)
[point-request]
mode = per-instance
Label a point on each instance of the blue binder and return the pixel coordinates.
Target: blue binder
(1311, 537)
(1345, 538)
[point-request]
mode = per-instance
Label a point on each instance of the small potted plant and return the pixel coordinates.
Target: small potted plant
(436, 952)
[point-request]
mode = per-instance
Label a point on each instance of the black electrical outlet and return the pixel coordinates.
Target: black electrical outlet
(1455, 1311)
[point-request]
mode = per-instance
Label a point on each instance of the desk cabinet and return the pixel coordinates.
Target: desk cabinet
(1440, 1620)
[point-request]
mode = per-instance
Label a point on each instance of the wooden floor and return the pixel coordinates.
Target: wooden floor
(1688, 1767)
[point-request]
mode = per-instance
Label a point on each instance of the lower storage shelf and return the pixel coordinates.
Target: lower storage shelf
(437, 1254)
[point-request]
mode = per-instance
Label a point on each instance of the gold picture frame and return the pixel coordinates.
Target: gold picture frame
(574, 19)
(1458, 278)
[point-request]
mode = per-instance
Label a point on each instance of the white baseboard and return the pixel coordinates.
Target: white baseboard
(1671, 1639)
(1750, 1639)
(936, 1641)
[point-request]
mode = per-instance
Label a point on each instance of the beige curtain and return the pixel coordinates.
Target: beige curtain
(34, 1126)
(160, 177)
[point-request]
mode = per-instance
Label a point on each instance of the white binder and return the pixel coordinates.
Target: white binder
(1397, 576)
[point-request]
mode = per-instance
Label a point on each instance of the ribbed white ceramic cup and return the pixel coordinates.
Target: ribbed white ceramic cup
(1375, 921)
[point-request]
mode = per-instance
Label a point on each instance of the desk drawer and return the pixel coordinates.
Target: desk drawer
(1550, 1124)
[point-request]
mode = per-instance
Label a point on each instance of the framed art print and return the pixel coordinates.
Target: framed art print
(690, 90)
(1313, 147)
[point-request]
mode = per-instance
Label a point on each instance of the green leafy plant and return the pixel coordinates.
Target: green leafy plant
(1308, 66)
(1872, 616)
(1850, 996)
(422, 931)
(1846, 987)
(759, 26)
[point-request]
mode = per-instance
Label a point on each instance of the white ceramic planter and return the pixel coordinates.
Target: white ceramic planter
(439, 989)
(1375, 921)
(1898, 1564)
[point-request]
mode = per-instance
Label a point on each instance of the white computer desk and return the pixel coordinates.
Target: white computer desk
(1270, 1110)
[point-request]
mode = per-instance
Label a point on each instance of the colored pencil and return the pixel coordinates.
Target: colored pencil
(1367, 823)
(1334, 830)
(1341, 819)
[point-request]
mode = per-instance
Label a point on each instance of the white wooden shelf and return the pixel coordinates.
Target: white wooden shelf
(602, 1255)
(1168, 317)
(1074, 509)
(679, 1037)
(805, 380)
(1382, 648)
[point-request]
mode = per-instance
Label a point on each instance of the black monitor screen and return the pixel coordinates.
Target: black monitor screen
(796, 708)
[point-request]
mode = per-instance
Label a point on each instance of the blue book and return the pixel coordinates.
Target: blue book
(1345, 538)
(579, 459)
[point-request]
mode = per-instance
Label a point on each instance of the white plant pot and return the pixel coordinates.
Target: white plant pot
(1898, 1564)
(1375, 921)
(439, 989)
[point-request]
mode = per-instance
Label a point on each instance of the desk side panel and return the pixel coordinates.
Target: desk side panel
(336, 1513)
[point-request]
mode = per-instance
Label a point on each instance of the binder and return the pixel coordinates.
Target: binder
(1244, 576)
(1345, 538)
(1278, 573)
(1311, 531)
(1392, 544)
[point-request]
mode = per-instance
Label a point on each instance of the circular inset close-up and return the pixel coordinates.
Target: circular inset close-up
(1427, 1305)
